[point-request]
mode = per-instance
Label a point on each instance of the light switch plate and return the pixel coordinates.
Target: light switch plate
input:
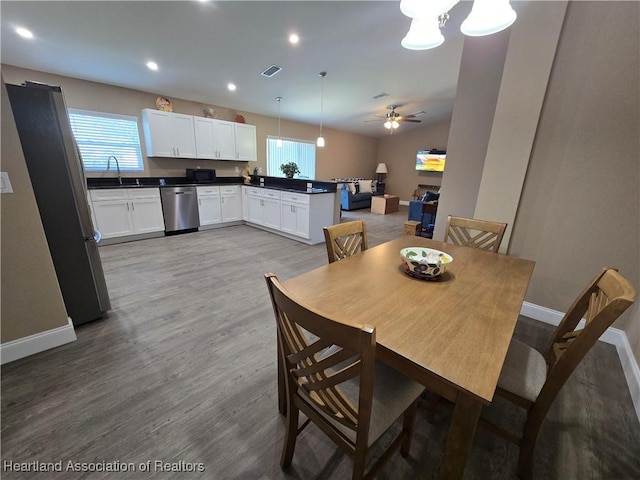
(5, 183)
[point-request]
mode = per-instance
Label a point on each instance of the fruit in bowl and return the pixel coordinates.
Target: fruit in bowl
(425, 263)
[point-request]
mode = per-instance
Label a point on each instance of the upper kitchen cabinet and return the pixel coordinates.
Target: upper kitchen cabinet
(223, 140)
(185, 136)
(215, 139)
(246, 148)
(168, 134)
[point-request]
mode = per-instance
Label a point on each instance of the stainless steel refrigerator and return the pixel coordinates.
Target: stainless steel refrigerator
(59, 184)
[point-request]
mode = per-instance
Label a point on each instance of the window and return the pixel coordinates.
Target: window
(299, 151)
(101, 135)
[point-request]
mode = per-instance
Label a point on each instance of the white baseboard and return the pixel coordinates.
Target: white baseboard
(23, 347)
(613, 336)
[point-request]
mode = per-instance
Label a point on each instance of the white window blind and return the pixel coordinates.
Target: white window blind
(101, 135)
(299, 151)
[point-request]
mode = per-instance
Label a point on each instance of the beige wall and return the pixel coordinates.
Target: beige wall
(527, 68)
(471, 123)
(345, 154)
(31, 300)
(580, 205)
(398, 152)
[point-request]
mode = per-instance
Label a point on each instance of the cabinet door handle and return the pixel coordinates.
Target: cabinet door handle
(200, 201)
(127, 206)
(133, 206)
(178, 150)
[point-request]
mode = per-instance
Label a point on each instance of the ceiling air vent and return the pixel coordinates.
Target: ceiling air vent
(271, 71)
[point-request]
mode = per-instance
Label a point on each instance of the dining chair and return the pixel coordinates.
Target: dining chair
(532, 380)
(332, 377)
(470, 232)
(345, 239)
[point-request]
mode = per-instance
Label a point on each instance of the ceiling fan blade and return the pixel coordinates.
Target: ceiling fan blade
(411, 120)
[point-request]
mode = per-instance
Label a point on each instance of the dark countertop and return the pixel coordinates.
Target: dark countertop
(129, 182)
(286, 185)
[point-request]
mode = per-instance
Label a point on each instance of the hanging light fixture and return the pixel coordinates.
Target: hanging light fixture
(423, 34)
(487, 17)
(429, 17)
(279, 140)
(320, 141)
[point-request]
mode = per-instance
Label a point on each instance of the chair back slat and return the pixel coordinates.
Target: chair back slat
(470, 232)
(345, 239)
(601, 302)
(320, 354)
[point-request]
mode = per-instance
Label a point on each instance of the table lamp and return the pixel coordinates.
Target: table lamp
(381, 169)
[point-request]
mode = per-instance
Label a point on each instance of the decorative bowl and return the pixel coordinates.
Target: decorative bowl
(424, 263)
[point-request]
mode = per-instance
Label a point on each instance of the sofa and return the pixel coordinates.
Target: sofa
(356, 195)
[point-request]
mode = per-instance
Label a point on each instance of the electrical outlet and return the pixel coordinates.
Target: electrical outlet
(259, 169)
(237, 169)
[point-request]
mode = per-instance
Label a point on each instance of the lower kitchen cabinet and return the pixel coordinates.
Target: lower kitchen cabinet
(209, 209)
(231, 203)
(294, 214)
(300, 216)
(218, 205)
(264, 207)
(121, 212)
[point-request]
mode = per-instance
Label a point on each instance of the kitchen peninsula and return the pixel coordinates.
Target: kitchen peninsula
(131, 209)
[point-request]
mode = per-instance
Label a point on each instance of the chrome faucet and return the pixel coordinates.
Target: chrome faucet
(117, 167)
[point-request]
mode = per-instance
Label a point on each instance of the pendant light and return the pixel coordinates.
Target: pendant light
(320, 141)
(429, 17)
(279, 140)
(488, 17)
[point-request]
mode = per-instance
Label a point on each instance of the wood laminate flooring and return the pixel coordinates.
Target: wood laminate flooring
(184, 370)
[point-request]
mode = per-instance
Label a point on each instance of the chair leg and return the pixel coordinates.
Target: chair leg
(528, 443)
(407, 428)
(432, 407)
(359, 463)
(290, 436)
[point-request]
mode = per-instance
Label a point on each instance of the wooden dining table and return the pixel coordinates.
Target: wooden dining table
(450, 334)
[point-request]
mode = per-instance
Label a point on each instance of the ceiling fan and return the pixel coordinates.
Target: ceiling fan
(392, 119)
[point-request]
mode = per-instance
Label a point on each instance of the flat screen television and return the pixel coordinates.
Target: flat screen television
(430, 160)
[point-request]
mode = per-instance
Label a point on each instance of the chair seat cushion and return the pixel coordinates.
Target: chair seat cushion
(393, 393)
(524, 371)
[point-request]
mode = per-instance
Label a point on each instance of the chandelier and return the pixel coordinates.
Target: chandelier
(428, 18)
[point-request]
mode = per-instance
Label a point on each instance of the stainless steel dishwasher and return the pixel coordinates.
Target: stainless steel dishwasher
(180, 209)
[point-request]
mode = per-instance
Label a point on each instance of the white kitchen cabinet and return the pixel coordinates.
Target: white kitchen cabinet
(225, 139)
(300, 216)
(168, 134)
(245, 142)
(205, 138)
(294, 214)
(264, 207)
(231, 203)
(209, 209)
(215, 139)
(120, 212)
(245, 203)
(146, 210)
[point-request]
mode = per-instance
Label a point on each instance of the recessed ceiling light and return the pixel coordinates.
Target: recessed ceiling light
(231, 87)
(23, 32)
(152, 66)
(294, 39)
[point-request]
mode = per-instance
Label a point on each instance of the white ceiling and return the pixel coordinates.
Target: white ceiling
(201, 46)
